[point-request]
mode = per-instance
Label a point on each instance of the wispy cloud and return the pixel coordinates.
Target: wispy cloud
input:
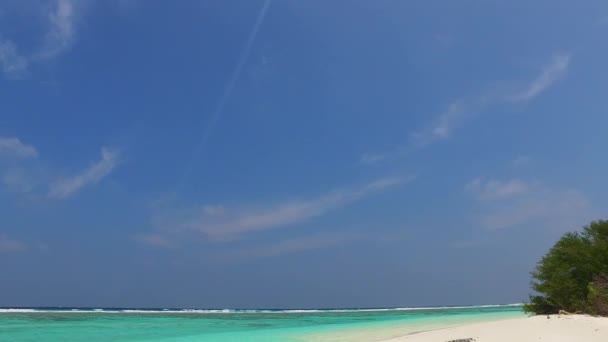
(443, 125)
(59, 37)
(18, 180)
(12, 63)
(13, 147)
(552, 209)
(20, 175)
(214, 210)
(514, 203)
(92, 175)
(283, 214)
(9, 245)
(550, 74)
(155, 240)
(220, 223)
(493, 189)
(458, 111)
(373, 158)
(61, 29)
(15, 175)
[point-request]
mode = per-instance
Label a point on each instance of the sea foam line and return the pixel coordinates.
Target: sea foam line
(241, 311)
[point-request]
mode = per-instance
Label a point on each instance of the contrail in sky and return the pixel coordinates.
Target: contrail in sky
(217, 113)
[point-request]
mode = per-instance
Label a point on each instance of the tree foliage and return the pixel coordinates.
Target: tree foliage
(572, 275)
(598, 295)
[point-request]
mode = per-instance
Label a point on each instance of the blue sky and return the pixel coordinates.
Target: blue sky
(294, 153)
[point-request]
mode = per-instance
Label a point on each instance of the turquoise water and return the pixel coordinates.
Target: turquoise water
(213, 325)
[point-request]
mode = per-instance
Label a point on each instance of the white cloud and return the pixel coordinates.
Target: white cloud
(10, 245)
(213, 210)
(12, 63)
(443, 125)
(550, 74)
(14, 176)
(561, 210)
(32, 177)
(289, 212)
(92, 175)
(372, 158)
(61, 29)
(59, 36)
(493, 189)
(18, 179)
(458, 111)
(446, 120)
(225, 224)
(13, 147)
(514, 203)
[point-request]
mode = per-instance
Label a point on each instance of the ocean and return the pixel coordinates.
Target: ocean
(181, 325)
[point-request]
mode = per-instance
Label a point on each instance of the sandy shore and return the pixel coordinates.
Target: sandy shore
(575, 328)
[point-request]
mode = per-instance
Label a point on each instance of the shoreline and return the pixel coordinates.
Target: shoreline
(388, 331)
(554, 328)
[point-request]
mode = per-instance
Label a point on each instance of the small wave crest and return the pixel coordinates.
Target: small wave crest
(241, 311)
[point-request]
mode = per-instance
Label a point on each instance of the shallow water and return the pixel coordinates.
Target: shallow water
(238, 325)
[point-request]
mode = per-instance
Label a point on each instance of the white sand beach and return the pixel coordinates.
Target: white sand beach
(554, 328)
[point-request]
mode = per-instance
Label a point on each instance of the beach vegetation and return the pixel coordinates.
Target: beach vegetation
(572, 276)
(598, 295)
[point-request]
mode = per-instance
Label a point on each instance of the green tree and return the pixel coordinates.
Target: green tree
(598, 295)
(564, 277)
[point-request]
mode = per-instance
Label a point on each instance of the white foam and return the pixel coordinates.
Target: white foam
(18, 310)
(245, 311)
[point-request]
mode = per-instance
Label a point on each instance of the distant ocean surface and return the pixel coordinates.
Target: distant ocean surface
(108, 324)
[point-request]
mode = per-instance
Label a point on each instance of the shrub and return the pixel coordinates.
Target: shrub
(539, 305)
(568, 276)
(598, 295)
